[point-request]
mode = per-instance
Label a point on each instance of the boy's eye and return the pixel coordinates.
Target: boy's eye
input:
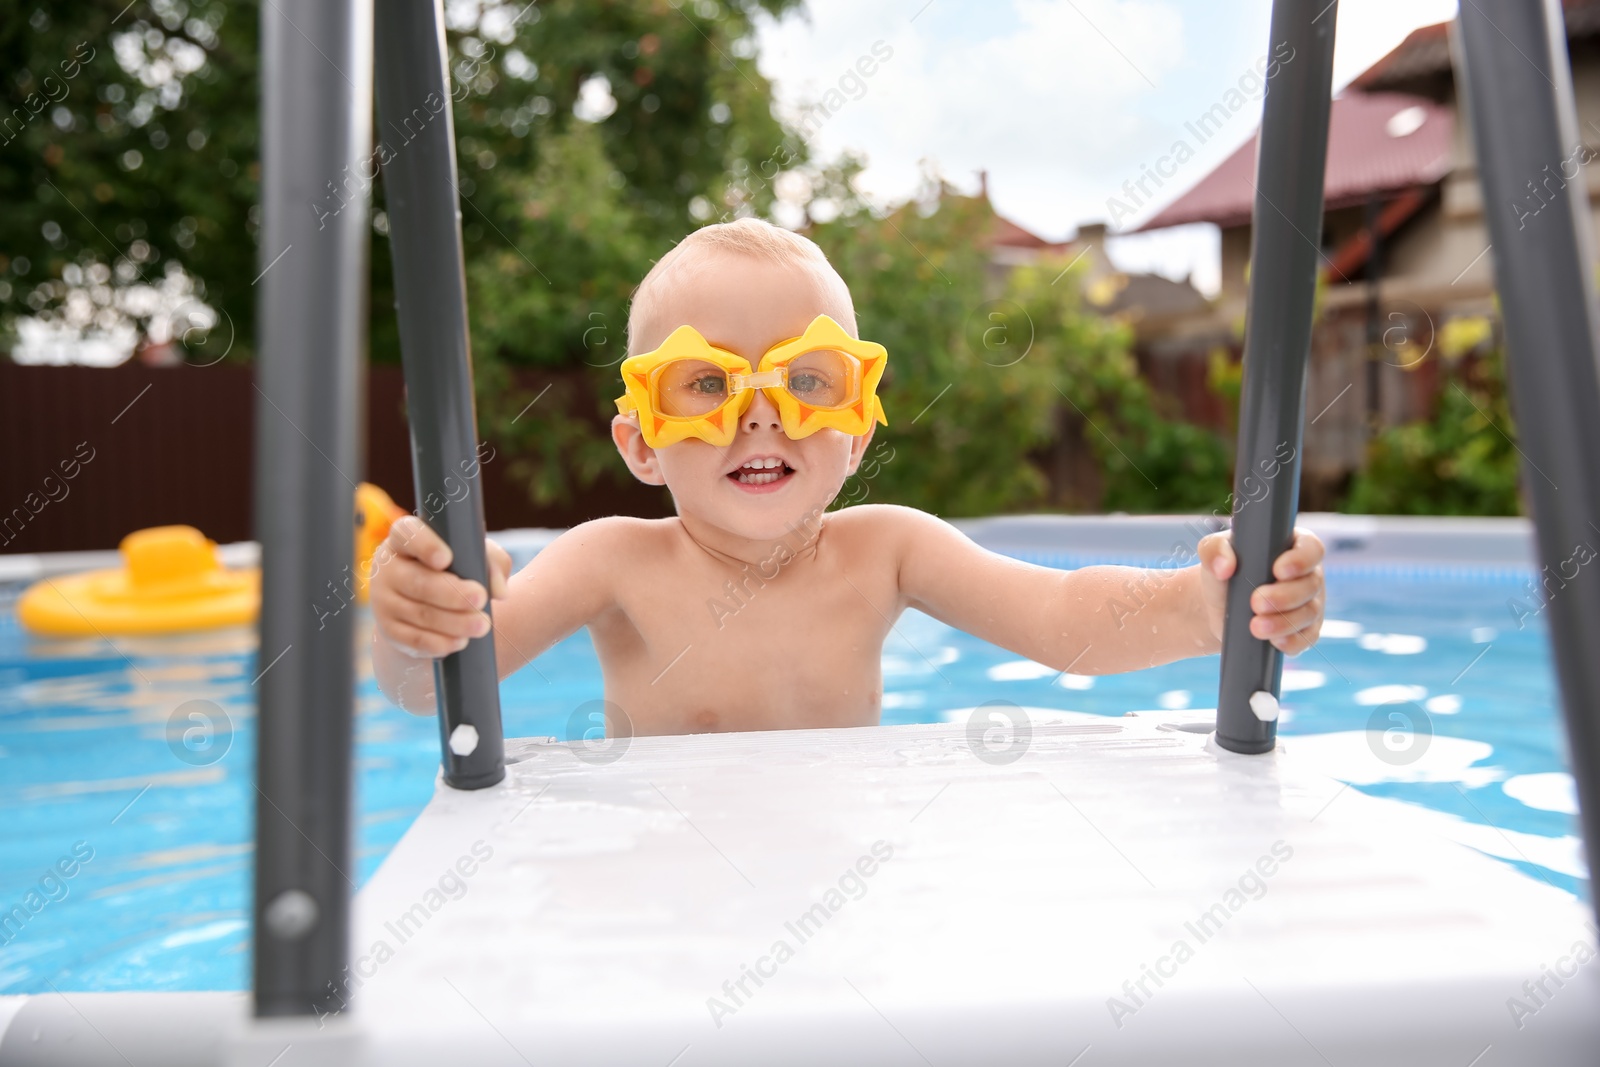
(822, 378)
(808, 383)
(689, 388)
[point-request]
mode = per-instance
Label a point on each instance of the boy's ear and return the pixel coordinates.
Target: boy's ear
(858, 448)
(640, 457)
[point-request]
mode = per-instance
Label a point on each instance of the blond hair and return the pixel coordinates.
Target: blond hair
(753, 237)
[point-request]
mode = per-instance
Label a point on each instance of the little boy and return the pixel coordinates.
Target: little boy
(751, 398)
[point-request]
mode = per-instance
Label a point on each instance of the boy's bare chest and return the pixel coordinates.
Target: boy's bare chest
(709, 649)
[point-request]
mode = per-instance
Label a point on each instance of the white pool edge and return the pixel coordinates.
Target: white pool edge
(1352, 540)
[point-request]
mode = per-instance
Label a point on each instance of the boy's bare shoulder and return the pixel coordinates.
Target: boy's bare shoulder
(618, 536)
(884, 528)
(880, 519)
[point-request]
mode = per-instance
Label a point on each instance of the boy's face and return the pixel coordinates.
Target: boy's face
(744, 305)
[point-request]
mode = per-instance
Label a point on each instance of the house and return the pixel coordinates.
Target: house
(1151, 303)
(1404, 242)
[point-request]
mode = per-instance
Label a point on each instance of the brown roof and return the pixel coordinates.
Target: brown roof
(1369, 152)
(1362, 158)
(1008, 234)
(1424, 52)
(1424, 55)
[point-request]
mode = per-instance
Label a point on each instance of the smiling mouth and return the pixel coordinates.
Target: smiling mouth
(745, 476)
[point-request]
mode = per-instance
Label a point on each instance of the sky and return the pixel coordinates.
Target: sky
(1061, 101)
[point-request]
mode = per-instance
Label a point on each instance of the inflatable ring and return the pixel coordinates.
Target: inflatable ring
(172, 581)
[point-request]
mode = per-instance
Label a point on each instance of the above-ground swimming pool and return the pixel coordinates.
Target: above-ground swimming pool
(133, 760)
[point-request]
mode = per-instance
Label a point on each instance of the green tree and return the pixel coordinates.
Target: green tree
(590, 138)
(1153, 460)
(980, 378)
(127, 145)
(585, 132)
(567, 206)
(961, 419)
(1460, 462)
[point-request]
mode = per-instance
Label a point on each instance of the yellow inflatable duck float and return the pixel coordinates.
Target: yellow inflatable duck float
(172, 581)
(375, 513)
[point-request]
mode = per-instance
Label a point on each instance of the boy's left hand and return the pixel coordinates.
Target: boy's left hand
(1288, 611)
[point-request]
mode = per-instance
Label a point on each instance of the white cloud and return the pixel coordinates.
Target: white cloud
(1036, 100)
(1194, 251)
(1052, 98)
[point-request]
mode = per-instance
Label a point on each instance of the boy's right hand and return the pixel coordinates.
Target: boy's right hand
(419, 606)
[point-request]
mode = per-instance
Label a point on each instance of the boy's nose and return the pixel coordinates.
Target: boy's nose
(762, 412)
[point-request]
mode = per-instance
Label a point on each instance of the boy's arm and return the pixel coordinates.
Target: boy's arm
(418, 608)
(567, 585)
(1095, 620)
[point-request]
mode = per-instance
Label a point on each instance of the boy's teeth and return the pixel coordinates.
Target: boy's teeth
(761, 471)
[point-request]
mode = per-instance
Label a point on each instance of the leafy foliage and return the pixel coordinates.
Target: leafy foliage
(980, 378)
(961, 415)
(568, 202)
(584, 134)
(1462, 462)
(1152, 460)
(127, 143)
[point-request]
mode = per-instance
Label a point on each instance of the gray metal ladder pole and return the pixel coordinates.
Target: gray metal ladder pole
(316, 105)
(1285, 256)
(416, 146)
(1518, 88)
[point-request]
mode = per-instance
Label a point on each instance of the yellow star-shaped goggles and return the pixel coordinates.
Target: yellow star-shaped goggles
(690, 388)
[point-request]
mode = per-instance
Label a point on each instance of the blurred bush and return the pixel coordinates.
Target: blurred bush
(1461, 461)
(984, 375)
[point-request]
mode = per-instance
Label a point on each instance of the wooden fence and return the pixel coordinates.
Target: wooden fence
(88, 455)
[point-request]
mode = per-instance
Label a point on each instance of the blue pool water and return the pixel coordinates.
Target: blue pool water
(100, 754)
